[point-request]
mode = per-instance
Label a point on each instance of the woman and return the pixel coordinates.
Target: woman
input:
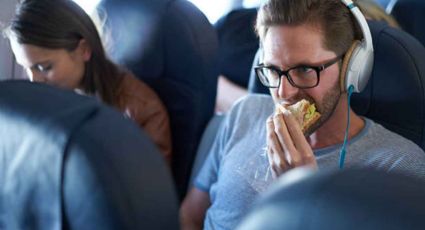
(57, 43)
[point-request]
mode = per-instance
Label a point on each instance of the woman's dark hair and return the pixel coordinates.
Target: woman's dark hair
(61, 24)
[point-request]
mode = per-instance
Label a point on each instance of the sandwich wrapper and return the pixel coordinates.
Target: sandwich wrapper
(256, 171)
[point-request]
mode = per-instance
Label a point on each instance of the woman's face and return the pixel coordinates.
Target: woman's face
(57, 67)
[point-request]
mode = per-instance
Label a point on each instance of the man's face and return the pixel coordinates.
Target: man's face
(290, 46)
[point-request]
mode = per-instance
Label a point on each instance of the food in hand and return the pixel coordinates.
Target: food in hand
(304, 112)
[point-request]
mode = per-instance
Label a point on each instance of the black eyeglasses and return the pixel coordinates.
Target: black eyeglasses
(303, 76)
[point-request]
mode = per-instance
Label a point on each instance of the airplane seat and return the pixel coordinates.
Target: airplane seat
(171, 46)
(410, 14)
(238, 43)
(349, 199)
(254, 85)
(69, 162)
(395, 94)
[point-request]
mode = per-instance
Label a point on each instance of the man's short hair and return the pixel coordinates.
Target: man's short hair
(330, 16)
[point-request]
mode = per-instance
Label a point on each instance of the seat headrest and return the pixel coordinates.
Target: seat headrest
(254, 85)
(395, 94)
(69, 162)
(238, 44)
(135, 27)
(159, 39)
(348, 199)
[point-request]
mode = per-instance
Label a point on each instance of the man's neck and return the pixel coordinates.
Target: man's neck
(332, 132)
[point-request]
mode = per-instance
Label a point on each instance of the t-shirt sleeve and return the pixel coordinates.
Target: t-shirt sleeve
(208, 174)
(412, 163)
(396, 154)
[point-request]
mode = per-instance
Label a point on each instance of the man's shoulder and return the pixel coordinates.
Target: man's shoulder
(249, 114)
(394, 152)
(392, 139)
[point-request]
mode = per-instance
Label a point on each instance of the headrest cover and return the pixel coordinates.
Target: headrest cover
(349, 199)
(61, 153)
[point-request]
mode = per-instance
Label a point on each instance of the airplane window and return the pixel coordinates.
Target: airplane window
(6, 12)
(251, 3)
(215, 9)
(212, 9)
(88, 5)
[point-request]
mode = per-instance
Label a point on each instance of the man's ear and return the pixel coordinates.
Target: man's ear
(84, 50)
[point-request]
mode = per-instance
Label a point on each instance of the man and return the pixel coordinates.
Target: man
(300, 36)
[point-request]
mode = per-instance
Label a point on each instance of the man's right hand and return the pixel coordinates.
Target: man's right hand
(286, 144)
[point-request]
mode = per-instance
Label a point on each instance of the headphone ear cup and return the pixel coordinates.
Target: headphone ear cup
(345, 65)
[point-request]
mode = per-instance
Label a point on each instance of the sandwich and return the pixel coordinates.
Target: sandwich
(304, 112)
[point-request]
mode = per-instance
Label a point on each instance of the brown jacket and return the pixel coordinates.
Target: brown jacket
(139, 102)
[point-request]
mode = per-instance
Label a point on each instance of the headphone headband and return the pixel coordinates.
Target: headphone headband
(360, 62)
(362, 22)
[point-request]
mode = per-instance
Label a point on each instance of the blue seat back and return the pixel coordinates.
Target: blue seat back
(411, 16)
(171, 46)
(69, 162)
(349, 199)
(238, 44)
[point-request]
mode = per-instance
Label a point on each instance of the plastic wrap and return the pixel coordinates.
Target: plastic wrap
(256, 170)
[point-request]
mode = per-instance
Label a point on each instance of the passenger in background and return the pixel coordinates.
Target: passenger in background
(238, 44)
(373, 11)
(57, 43)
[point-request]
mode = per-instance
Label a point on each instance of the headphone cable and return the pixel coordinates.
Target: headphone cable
(343, 151)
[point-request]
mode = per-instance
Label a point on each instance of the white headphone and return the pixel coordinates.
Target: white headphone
(358, 61)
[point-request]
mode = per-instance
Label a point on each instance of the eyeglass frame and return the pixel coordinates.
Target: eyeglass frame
(285, 73)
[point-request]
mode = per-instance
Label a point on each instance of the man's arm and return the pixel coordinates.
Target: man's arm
(193, 209)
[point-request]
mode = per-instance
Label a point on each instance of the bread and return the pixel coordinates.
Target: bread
(304, 112)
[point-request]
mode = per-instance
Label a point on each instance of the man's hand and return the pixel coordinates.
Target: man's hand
(287, 146)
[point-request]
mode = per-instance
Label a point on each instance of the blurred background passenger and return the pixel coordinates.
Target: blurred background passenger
(238, 44)
(373, 11)
(62, 47)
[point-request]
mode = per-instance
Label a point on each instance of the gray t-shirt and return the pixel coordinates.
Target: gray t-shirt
(236, 169)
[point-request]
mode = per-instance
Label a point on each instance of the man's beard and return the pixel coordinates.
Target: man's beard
(326, 108)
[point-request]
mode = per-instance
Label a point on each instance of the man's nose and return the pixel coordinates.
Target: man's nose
(286, 90)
